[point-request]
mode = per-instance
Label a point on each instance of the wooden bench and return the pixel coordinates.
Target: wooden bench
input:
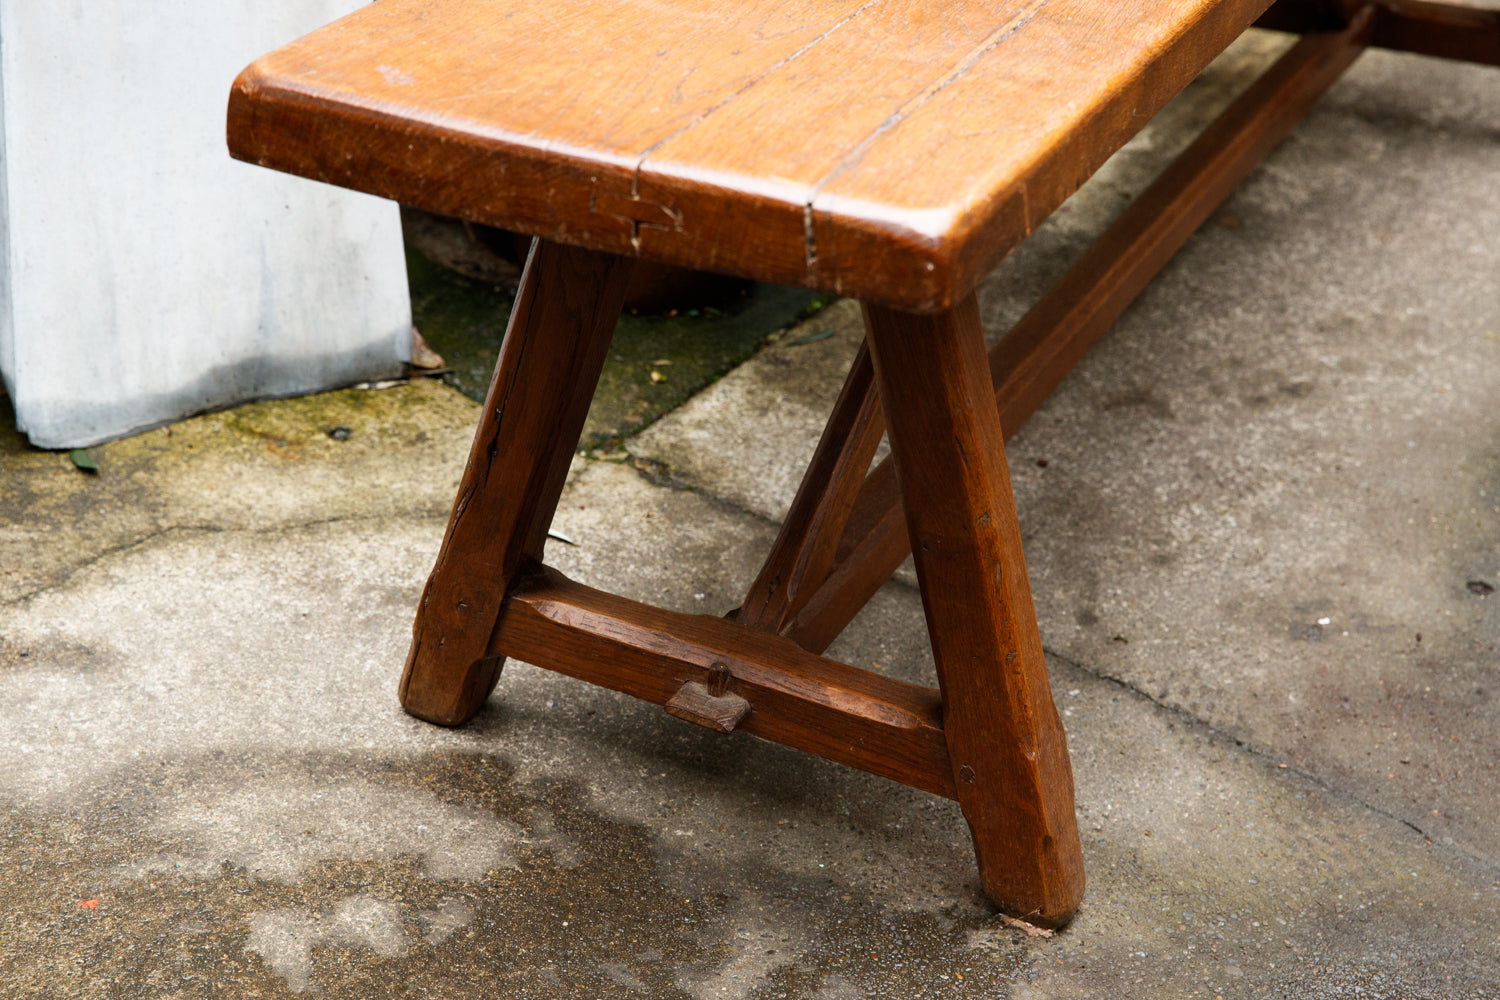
(889, 150)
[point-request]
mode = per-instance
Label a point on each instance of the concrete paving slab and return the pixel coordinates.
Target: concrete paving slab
(201, 736)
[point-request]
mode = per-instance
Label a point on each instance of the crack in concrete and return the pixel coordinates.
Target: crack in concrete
(659, 474)
(142, 541)
(1217, 733)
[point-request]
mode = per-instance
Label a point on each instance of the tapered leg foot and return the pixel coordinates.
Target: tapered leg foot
(1005, 740)
(549, 365)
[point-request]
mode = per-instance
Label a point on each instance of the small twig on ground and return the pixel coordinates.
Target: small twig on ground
(1032, 930)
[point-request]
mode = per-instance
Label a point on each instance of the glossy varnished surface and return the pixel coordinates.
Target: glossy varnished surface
(889, 149)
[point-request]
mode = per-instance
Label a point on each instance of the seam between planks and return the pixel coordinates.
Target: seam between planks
(635, 182)
(998, 37)
(912, 105)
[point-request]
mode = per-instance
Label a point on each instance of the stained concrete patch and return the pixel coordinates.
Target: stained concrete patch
(838, 988)
(149, 655)
(181, 711)
(753, 955)
(451, 915)
(285, 938)
(279, 830)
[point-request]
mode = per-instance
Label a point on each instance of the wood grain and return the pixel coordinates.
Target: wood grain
(864, 720)
(1005, 740)
(1020, 129)
(790, 142)
(554, 349)
(1049, 340)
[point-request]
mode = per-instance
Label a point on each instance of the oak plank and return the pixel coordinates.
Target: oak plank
(787, 142)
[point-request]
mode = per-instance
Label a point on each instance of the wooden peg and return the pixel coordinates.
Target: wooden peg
(710, 703)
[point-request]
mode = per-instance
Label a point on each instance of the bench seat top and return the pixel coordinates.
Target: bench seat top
(893, 150)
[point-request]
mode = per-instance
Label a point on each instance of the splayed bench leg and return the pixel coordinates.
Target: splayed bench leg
(1005, 741)
(550, 360)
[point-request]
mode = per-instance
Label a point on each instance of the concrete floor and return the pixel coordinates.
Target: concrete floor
(1262, 520)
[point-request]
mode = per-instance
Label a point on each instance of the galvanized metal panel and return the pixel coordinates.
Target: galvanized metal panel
(146, 275)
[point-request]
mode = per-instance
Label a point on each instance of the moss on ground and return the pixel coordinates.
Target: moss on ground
(655, 362)
(350, 453)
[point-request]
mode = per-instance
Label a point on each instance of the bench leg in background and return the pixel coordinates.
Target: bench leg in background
(550, 360)
(1006, 745)
(806, 552)
(1444, 30)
